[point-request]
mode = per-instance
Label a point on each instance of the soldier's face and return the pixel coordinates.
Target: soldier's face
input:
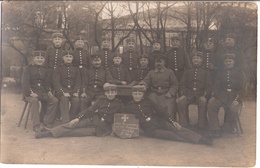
(229, 42)
(159, 63)
(208, 45)
(110, 94)
(137, 96)
(176, 43)
(79, 43)
(105, 44)
(229, 63)
(143, 62)
(67, 59)
(39, 60)
(117, 60)
(130, 46)
(96, 62)
(196, 60)
(156, 47)
(57, 41)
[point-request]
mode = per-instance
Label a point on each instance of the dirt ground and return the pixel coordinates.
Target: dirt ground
(18, 145)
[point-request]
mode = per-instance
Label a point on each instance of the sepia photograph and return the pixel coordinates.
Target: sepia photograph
(129, 83)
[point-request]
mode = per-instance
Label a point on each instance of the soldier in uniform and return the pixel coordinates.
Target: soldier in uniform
(228, 92)
(67, 81)
(209, 57)
(141, 72)
(93, 81)
(54, 55)
(106, 54)
(81, 56)
(130, 58)
(163, 85)
(195, 87)
(155, 54)
(89, 122)
(157, 123)
(119, 71)
(177, 60)
(36, 87)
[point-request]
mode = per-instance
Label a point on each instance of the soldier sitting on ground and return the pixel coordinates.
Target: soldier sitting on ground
(36, 87)
(89, 122)
(157, 123)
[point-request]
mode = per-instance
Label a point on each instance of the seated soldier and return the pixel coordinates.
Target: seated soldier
(119, 72)
(66, 81)
(157, 123)
(195, 87)
(92, 82)
(228, 92)
(95, 123)
(36, 87)
(141, 72)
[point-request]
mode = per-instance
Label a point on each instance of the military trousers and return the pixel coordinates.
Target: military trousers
(164, 101)
(52, 105)
(183, 111)
(69, 107)
(85, 127)
(213, 110)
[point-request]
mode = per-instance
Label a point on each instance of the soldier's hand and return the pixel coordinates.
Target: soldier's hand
(202, 99)
(83, 95)
(212, 99)
(66, 94)
(50, 94)
(133, 83)
(182, 98)
(211, 66)
(235, 103)
(33, 95)
(123, 82)
(176, 125)
(168, 95)
(75, 94)
(74, 122)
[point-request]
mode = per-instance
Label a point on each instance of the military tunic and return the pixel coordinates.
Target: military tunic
(36, 79)
(66, 79)
(156, 122)
(102, 119)
(92, 82)
(120, 73)
(131, 61)
(210, 62)
(140, 74)
(162, 82)
(177, 61)
(229, 86)
(107, 57)
(195, 82)
(54, 58)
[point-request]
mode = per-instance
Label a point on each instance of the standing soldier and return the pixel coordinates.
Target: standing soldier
(92, 82)
(130, 58)
(141, 72)
(106, 54)
(177, 59)
(54, 55)
(155, 54)
(81, 55)
(36, 87)
(157, 123)
(66, 81)
(228, 92)
(195, 87)
(163, 85)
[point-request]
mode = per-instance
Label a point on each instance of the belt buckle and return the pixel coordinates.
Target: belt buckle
(159, 88)
(69, 86)
(80, 66)
(229, 90)
(39, 84)
(95, 86)
(194, 89)
(176, 69)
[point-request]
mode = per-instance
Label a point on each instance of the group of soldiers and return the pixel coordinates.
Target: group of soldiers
(82, 88)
